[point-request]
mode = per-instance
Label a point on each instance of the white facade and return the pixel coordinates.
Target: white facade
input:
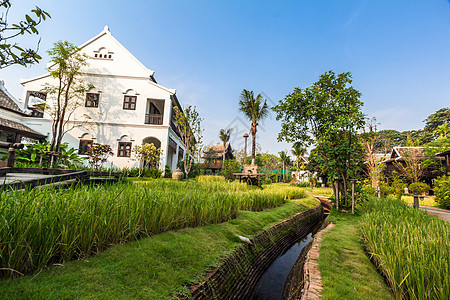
(131, 108)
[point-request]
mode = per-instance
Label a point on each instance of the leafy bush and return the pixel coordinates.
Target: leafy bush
(266, 181)
(230, 167)
(32, 154)
(422, 188)
(369, 190)
(442, 191)
(167, 172)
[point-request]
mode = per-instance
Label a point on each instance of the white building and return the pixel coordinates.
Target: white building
(126, 107)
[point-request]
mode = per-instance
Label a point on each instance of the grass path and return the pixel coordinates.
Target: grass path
(151, 268)
(347, 273)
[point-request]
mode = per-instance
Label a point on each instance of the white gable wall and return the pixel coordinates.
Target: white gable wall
(109, 123)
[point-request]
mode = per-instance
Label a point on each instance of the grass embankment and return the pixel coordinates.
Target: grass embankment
(410, 247)
(152, 268)
(347, 273)
(42, 227)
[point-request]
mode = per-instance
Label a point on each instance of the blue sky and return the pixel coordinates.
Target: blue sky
(398, 52)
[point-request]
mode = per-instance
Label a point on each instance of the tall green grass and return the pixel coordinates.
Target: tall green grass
(210, 178)
(411, 248)
(42, 227)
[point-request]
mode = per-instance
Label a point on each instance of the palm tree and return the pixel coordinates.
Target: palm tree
(298, 150)
(255, 110)
(224, 136)
(286, 160)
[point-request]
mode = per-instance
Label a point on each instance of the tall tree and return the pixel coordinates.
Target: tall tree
(188, 122)
(269, 162)
(69, 91)
(255, 110)
(224, 136)
(10, 52)
(435, 120)
(328, 115)
(298, 151)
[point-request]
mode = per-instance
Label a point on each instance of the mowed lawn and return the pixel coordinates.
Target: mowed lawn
(347, 273)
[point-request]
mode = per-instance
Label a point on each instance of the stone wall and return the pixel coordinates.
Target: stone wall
(241, 271)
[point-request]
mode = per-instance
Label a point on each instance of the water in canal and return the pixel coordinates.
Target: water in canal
(271, 285)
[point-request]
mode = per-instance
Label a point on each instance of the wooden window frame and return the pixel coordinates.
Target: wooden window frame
(124, 152)
(82, 142)
(127, 100)
(87, 100)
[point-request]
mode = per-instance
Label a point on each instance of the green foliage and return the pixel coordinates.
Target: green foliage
(398, 186)
(172, 258)
(352, 275)
(68, 91)
(434, 121)
(147, 155)
(442, 191)
(255, 110)
(301, 184)
(188, 122)
(98, 154)
(327, 114)
(167, 172)
(31, 154)
(210, 178)
(422, 188)
(410, 247)
(61, 224)
(10, 52)
(230, 167)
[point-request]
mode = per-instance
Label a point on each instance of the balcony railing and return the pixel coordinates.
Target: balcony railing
(153, 119)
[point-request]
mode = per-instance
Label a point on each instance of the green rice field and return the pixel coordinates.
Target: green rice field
(410, 247)
(39, 228)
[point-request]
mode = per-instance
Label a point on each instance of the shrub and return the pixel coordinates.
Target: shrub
(266, 181)
(422, 188)
(167, 172)
(369, 190)
(442, 191)
(230, 167)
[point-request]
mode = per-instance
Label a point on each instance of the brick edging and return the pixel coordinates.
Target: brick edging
(312, 278)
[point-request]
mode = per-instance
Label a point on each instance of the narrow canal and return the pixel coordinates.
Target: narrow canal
(271, 285)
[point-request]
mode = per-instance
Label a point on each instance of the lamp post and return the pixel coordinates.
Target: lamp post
(245, 147)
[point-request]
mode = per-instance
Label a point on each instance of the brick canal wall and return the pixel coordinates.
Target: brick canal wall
(241, 271)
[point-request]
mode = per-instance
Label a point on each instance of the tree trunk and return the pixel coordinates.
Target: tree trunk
(253, 147)
(336, 193)
(353, 197)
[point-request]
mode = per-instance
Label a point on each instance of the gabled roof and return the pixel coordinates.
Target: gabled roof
(105, 32)
(12, 126)
(7, 101)
(398, 153)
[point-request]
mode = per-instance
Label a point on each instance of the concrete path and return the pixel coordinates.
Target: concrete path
(437, 212)
(24, 177)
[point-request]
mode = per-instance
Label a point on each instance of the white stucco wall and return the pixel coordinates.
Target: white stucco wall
(113, 78)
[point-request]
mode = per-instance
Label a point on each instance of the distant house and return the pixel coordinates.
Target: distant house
(125, 106)
(400, 154)
(213, 156)
(12, 120)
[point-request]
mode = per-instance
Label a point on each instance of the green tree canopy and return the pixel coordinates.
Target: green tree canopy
(10, 52)
(328, 115)
(255, 110)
